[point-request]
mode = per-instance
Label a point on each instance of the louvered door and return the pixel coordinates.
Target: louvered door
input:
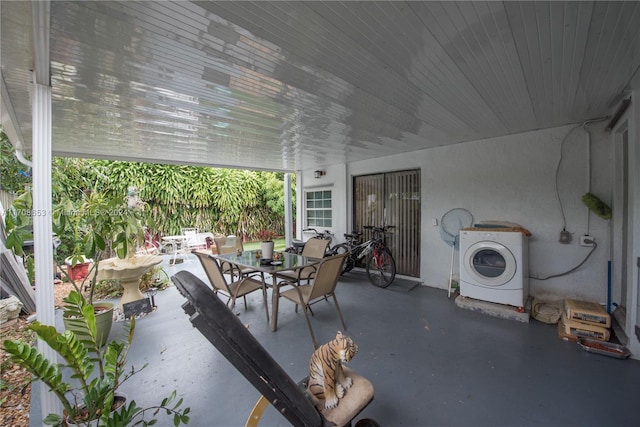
(392, 198)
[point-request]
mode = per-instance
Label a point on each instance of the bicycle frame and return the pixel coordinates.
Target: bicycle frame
(298, 245)
(380, 265)
(363, 249)
(377, 254)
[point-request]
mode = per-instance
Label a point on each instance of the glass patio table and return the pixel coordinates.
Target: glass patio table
(177, 243)
(287, 262)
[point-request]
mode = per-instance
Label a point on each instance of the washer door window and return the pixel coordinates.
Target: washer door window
(490, 263)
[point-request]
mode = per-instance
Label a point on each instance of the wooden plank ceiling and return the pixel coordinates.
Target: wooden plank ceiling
(294, 85)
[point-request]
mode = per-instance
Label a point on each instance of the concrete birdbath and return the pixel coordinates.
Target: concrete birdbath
(128, 271)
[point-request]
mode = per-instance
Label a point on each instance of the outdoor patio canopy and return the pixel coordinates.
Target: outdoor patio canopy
(294, 85)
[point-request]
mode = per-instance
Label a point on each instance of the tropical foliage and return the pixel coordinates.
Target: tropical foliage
(223, 201)
(97, 372)
(226, 201)
(15, 175)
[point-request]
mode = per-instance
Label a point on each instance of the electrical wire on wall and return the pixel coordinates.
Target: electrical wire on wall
(584, 127)
(565, 236)
(595, 245)
(586, 219)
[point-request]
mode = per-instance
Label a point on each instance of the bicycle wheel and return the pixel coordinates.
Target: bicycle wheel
(340, 249)
(381, 268)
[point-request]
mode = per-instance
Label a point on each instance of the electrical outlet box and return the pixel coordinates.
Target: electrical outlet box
(587, 240)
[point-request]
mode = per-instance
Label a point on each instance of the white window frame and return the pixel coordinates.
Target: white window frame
(308, 210)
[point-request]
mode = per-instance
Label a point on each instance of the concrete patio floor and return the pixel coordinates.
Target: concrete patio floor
(431, 362)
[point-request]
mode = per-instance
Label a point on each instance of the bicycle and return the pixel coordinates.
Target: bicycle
(380, 265)
(298, 245)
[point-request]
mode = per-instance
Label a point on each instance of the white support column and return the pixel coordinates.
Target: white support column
(41, 146)
(300, 212)
(42, 229)
(288, 217)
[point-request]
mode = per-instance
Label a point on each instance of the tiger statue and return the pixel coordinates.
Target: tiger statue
(327, 380)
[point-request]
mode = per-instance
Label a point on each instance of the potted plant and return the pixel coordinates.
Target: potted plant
(266, 244)
(96, 224)
(89, 226)
(91, 396)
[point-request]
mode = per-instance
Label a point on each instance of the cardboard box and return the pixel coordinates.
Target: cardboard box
(587, 312)
(582, 330)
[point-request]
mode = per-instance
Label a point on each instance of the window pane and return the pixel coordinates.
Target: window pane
(318, 208)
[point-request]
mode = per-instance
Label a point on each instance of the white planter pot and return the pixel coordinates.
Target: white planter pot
(267, 250)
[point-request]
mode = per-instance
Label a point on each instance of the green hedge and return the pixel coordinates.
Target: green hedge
(226, 201)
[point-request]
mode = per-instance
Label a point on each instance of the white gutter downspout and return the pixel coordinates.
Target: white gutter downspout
(41, 147)
(22, 159)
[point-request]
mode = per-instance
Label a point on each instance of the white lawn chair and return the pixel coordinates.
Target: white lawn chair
(193, 239)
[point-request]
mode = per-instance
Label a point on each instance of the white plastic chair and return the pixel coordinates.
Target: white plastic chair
(192, 239)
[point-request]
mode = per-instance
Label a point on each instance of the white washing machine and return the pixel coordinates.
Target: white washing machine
(494, 266)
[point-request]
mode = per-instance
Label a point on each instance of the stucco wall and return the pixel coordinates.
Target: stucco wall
(513, 178)
(335, 179)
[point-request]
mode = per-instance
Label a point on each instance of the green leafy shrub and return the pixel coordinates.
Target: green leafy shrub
(97, 373)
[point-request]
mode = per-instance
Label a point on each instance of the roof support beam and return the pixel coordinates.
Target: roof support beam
(41, 146)
(42, 227)
(288, 215)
